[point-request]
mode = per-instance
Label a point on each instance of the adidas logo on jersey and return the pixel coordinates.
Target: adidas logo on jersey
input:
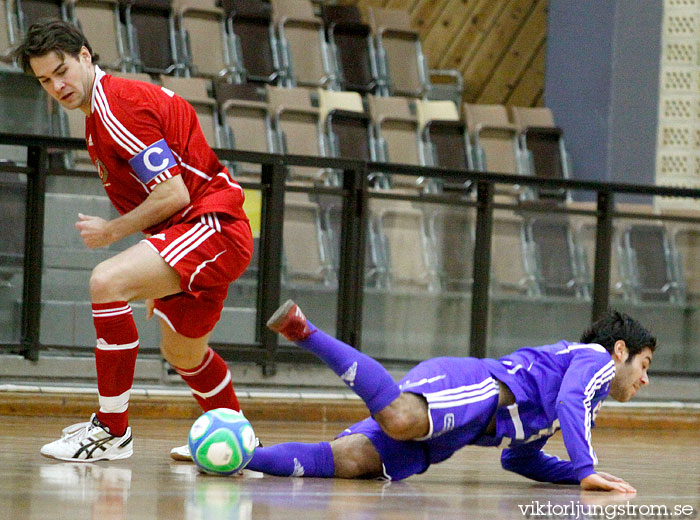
(90, 140)
(349, 375)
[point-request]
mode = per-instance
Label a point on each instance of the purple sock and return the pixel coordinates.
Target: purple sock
(294, 459)
(364, 375)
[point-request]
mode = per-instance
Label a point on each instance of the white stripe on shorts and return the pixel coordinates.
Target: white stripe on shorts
(452, 397)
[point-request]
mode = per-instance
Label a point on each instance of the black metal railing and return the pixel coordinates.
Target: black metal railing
(355, 193)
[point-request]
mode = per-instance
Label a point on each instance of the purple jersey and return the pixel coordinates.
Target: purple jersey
(560, 386)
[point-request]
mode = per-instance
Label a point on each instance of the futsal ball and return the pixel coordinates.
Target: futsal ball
(222, 441)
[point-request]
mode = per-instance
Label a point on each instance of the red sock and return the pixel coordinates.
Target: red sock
(115, 357)
(211, 383)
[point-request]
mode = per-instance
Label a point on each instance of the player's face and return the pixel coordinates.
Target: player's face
(67, 79)
(630, 375)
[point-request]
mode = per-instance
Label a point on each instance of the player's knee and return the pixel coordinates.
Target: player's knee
(398, 425)
(103, 285)
(405, 419)
(354, 456)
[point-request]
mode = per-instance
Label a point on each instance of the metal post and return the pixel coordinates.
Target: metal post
(270, 259)
(482, 273)
(603, 241)
(352, 254)
(37, 160)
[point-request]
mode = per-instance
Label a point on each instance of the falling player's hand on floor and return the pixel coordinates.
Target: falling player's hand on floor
(605, 482)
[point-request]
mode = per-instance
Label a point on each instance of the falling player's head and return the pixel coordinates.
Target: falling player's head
(614, 326)
(631, 347)
(60, 57)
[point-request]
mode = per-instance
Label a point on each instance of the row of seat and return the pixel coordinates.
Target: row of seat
(319, 122)
(534, 254)
(282, 42)
(427, 247)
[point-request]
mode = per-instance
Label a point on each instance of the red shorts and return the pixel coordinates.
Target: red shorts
(208, 252)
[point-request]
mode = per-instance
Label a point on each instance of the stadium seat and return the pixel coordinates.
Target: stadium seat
(297, 129)
(255, 57)
(511, 256)
(346, 126)
(395, 125)
(100, 21)
(9, 32)
(452, 232)
(352, 48)
(402, 66)
(652, 263)
(245, 115)
(559, 266)
(13, 201)
(307, 260)
(196, 92)
(151, 36)
(622, 280)
(198, 22)
(31, 11)
(495, 144)
(685, 237)
(542, 144)
(305, 58)
(444, 135)
(403, 71)
(409, 255)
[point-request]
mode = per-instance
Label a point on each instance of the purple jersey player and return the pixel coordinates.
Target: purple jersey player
(443, 404)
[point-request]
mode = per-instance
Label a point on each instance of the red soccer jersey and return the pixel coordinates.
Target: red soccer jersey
(140, 135)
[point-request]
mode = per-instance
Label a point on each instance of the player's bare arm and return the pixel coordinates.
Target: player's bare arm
(166, 199)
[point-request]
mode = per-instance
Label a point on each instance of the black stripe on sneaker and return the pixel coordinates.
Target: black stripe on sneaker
(92, 446)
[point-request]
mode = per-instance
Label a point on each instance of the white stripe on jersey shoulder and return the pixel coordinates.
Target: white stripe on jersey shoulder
(578, 346)
(116, 129)
(601, 377)
(99, 74)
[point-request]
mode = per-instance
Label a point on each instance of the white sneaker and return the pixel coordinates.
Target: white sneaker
(182, 453)
(89, 442)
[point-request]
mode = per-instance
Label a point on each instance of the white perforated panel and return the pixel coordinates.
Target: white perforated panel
(678, 152)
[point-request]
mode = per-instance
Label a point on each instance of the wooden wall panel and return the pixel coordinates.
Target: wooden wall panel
(499, 46)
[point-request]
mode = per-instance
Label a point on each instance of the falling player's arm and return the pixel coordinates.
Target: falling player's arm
(588, 374)
(531, 462)
(587, 379)
(166, 199)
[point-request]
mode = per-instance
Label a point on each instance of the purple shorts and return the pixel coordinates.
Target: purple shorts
(462, 396)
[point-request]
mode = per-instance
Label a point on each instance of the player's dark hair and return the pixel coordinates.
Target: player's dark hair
(50, 35)
(615, 325)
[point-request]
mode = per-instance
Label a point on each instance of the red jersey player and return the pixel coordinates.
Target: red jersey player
(164, 180)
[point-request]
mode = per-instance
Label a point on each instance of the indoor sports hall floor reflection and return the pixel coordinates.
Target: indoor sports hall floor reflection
(664, 466)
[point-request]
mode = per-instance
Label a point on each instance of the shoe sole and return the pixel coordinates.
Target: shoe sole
(280, 314)
(69, 459)
(180, 458)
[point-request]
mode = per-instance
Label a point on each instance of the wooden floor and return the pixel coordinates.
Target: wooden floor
(664, 466)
